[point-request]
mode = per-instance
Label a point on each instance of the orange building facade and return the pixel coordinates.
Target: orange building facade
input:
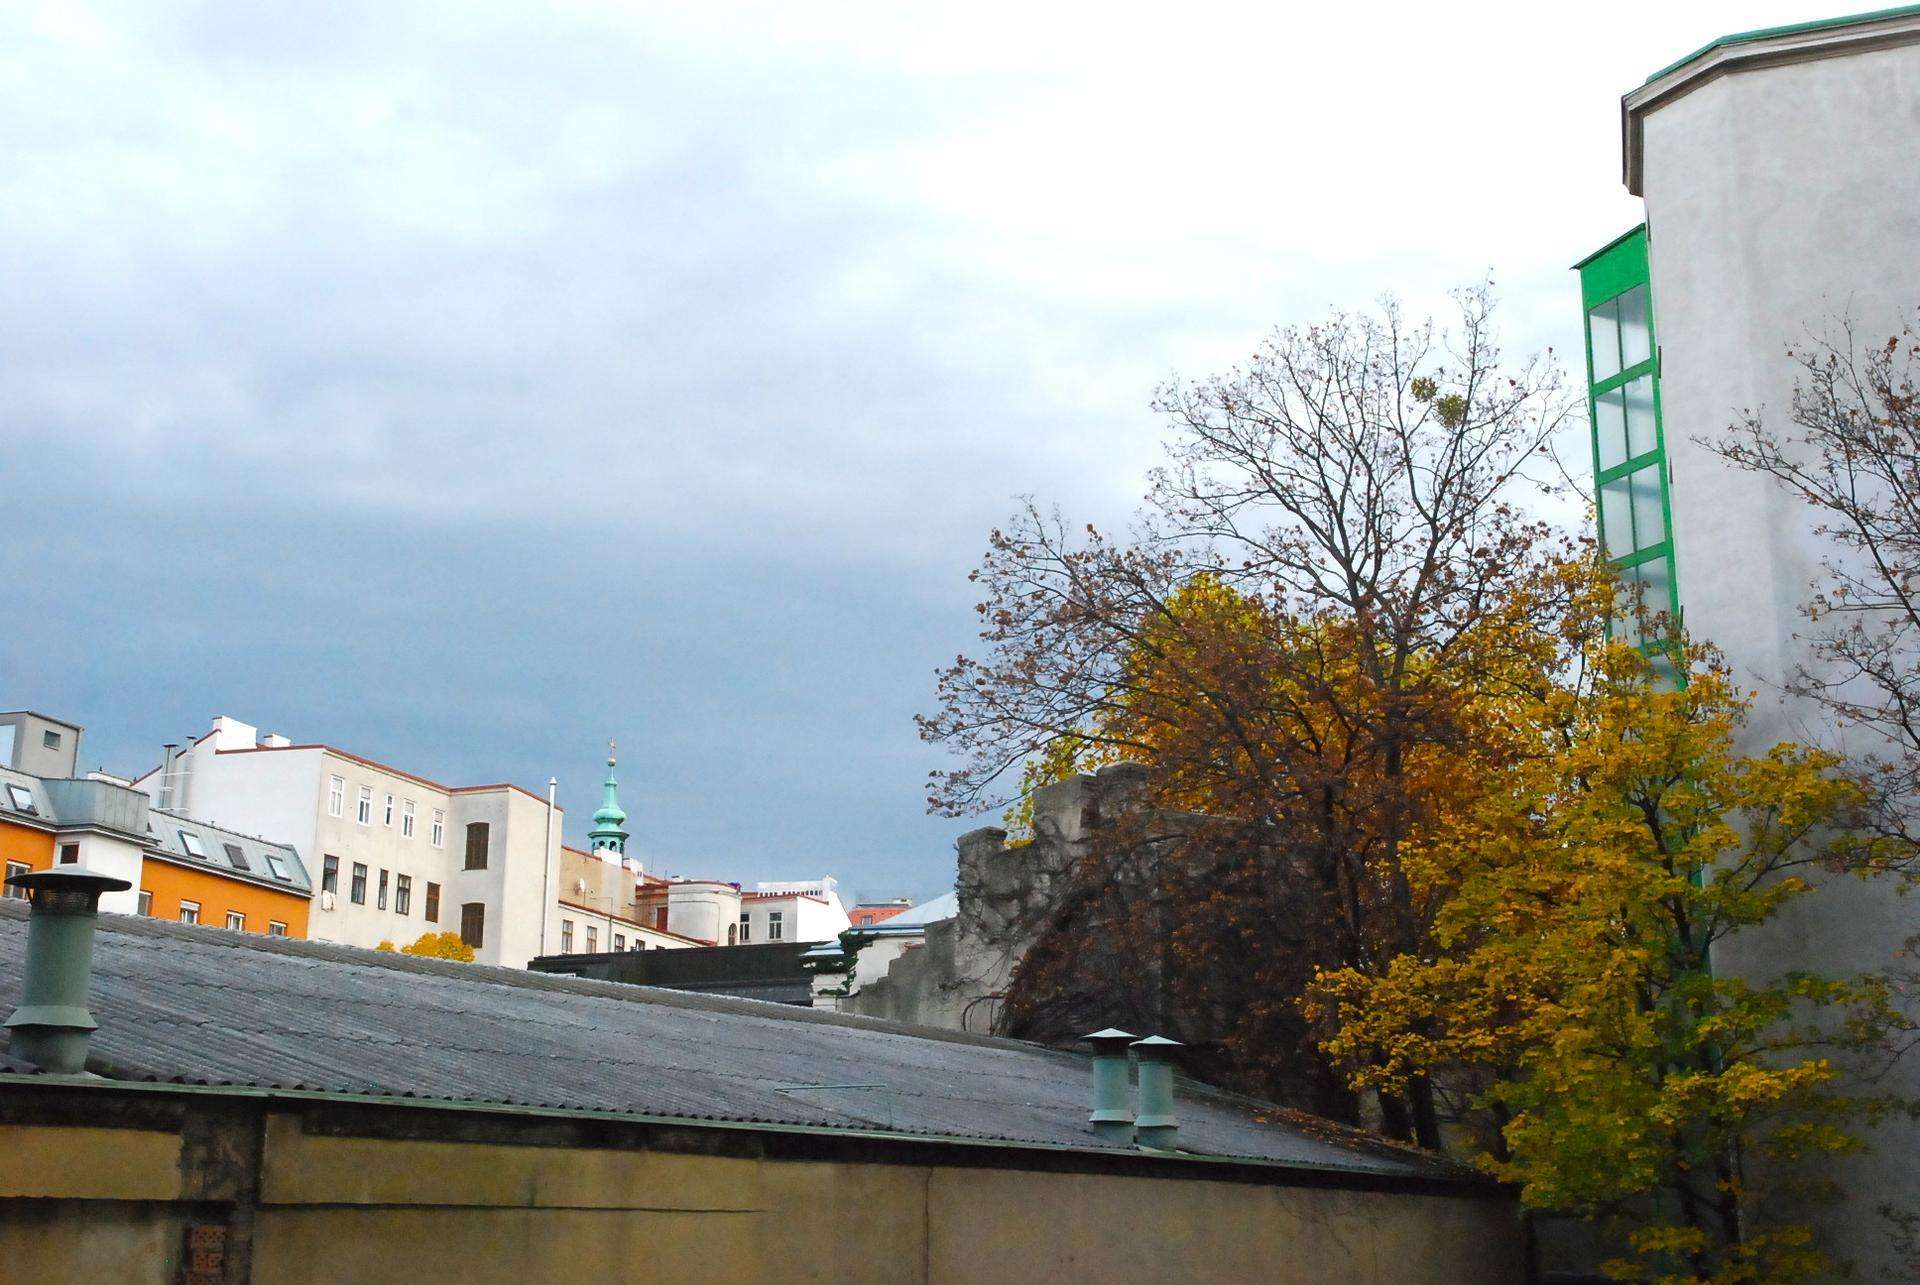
(168, 888)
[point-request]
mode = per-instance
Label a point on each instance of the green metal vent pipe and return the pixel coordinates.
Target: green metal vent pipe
(1156, 1126)
(1112, 1088)
(52, 1026)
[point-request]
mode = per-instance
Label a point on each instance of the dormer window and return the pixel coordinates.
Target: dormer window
(22, 799)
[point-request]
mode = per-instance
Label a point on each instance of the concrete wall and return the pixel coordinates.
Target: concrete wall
(1777, 198)
(23, 745)
(326, 1202)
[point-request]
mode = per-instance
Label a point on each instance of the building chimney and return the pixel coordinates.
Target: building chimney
(1112, 1116)
(1156, 1125)
(52, 1026)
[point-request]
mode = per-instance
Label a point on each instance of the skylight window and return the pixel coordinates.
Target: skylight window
(22, 799)
(236, 858)
(191, 842)
(278, 867)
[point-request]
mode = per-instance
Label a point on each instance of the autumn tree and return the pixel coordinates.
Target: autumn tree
(435, 946)
(1579, 905)
(1359, 490)
(1849, 451)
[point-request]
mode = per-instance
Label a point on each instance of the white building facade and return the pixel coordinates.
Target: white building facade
(1782, 197)
(394, 855)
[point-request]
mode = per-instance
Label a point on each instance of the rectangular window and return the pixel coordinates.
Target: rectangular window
(336, 795)
(619, 941)
(50, 740)
(432, 913)
(146, 903)
(388, 814)
(776, 925)
(14, 870)
(438, 836)
(358, 893)
(22, 799)
(473, 924)
(69, 854)
(278, 868)
(380, 897)
(275, 928)
(660, 919)
(235, 858)
(402, 894)
(330, 875)
(593, 939)
(406, 819)
(189, 912)
(236, 920)
(478, 833)
(746, 928)
(1620, 332)
(1632, 512)
(191, 842)
(363, 812)
(566, 936)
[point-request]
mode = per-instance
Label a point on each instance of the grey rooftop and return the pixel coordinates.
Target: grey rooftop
(202, 1006)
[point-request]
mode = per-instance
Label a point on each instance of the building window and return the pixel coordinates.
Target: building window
(191, 842)
(388, 814)
(189, 912)
(22, 799)
(432, 913)
(145, 906)
(380, 897)
(566, 936)
(619, 941)
(235, 858)
(330, 875)
(402, 894)
(776, 925)
(236, 920)
(14, 870)
(478, 833)
(733, 934)
(1629, 450)
(275, 928)
(746, 928)
(69, 854)
(278, 868)
(660, 918)
(363, 812)
(473, 924)
(358, 893)
(336, 795)
(406, 819)
(593, 939)
(438, 836)
(51, 740)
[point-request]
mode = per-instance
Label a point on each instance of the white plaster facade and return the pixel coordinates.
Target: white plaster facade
(389, 850)
(1781, 192)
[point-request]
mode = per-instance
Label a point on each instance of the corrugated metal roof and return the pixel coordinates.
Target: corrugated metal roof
(206, 1006)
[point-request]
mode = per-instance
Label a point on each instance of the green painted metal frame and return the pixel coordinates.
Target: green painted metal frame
(1787, 29)
(1605, 275)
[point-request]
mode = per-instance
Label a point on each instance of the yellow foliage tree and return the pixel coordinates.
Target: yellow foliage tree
(1579, 904)
(435, 946)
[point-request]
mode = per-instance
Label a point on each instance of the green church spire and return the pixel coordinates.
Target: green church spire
(608, 834)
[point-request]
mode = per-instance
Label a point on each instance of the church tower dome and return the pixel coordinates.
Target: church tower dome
(609, 836)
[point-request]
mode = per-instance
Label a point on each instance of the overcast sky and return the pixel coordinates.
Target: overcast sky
(465, 384)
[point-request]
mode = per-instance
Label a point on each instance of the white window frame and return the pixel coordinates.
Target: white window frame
(619, 941)
(566, 936)
(593, 939)
(746, 928)
(14, 869)
(236, 921)
(388, 814)
(776, 925)
(275, 928)
(336, 796)
(438, 836)
(363, 810)
(143, 904)
(406, 819)
(189, 911)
